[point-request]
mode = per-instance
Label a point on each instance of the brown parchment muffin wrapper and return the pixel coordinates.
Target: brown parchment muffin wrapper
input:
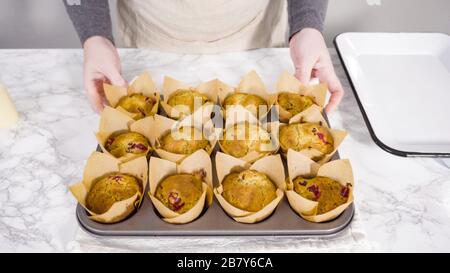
(300, 165)
(161, 168)
(143, 84)
(288, 83)
(251, 83)
(113, 120)
(239, 114)
(313, 115)
(198, 120)
(271, 165)
(100, 164)
(171, 85)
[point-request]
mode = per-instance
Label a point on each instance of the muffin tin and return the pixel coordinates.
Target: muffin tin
(147, 222)
(214, 221)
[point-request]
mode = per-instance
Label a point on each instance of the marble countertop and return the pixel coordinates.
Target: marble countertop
(403, 203)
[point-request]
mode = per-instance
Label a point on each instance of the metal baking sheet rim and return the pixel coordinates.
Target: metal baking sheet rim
(381, 144)
(348, 214)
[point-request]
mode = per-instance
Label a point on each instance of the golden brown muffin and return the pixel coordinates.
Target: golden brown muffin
(248, 101)
(180, 192)
(185, 140)
(184, 100)
(242, 138)
(299, 136)
(294, 103)
(329, 193)
(111, 188)
(122, 143)
(137, 104)
(249, 190)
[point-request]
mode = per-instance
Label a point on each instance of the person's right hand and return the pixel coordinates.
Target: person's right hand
(101, 64)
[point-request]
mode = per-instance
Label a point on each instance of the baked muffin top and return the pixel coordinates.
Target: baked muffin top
(299, 136)
(138, 104)
(179, 192)
(250, 102)
(184, 100)
(248, 190)
(122, 143)
(329, 193)
(294, 103)
(185, 140)
(242, 138)
(111, 188)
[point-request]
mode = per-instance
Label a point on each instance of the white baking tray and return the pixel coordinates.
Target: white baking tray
(402, 84)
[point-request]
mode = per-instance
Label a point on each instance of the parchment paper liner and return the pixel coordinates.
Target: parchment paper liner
(160, 169)
(313, 115)
(271, 165)
(288, 83)
(197, 120)
(251, 83)
(239, 114)
(171, 85)
(100, 164)
(299, 165)
(143, 84)
(113, 120)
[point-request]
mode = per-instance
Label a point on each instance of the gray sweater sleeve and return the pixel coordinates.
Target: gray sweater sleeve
(90, 18)
(306, 14)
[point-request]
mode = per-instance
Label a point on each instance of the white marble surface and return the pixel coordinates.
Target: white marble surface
(403, 203)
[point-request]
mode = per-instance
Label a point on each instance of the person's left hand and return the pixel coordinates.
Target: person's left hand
(311, 59)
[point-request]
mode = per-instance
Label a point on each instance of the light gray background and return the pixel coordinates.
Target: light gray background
(44, 23)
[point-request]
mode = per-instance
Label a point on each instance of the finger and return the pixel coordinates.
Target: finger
(303, 71)
(334, 101)
(93, 92)
(335, 88)
(115, 78)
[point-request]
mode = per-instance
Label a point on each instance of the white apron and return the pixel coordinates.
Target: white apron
(202, 26)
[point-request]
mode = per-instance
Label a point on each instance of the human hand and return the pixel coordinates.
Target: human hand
(311, 59)
(101, 64)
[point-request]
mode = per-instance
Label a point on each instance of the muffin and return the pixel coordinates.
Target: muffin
(121, 143)
(299, 136)
(184, 100)
(294, 103)
(184, 141)
(248, 190)
(180, 192)
(111, 188)
(138, 100)
(329, 193)
(248, 101)
(139, 105)
(293, 97)
(242, 138)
